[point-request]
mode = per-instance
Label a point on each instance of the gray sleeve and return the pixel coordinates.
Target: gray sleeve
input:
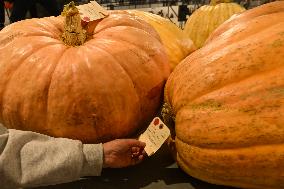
(29, 159)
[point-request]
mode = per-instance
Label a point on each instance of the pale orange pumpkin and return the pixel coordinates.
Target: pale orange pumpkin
(207, 18)
(178, 45)
(228, 102)
(106, 88)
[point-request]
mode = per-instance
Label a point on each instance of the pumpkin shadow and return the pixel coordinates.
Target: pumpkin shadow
(156, 172)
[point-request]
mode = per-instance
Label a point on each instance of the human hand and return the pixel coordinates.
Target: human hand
(123, 152)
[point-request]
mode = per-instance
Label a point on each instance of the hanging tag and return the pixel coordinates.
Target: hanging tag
(154, 136)
(92, 11)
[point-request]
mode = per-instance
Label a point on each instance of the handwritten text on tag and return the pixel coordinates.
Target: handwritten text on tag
(92, 11)
(155, 135)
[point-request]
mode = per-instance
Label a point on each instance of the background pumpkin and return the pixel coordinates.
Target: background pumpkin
(235, 19)
(207, 18)
(228, 102)
(106, 88)
(178, 45)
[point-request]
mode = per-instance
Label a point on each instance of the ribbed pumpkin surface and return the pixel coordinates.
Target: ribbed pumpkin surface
(178, 45)
(207, 18)
(237, 18)
(104, 89)
(228, 99)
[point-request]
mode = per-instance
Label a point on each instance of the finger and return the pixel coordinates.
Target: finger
(141, 157)
(135, 154)
(136, 143)
(135, 149)
(143, 152)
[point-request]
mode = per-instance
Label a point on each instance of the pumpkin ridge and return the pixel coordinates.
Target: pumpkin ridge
(182, 163)
(137, 93)
(11, 76)
(136, 28)
(54, 28)
(230, 8)
(229, 148)
(136, 46)
(261, 112)
(110, 28)
(200, 95)
(43, 92)
(50, 37)
(137, 23)
(247, 23)
(212, 145)
(49, 86)
(124, 70)
(43, 29)
(142, 25)
(213, 90)
(239, 178)
(219, 43)
(209, 12)
(94, 124)
(242, 43)
(20, 37)
(207, 18)
(49, 29)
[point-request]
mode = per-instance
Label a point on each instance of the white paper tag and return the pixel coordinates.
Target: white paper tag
(154, 136)
(92, 11)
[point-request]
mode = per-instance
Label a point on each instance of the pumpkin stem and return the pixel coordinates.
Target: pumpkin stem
(168, 117)
(215, 2)
(74, 34)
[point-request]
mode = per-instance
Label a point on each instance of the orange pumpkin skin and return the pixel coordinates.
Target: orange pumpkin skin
(228, 101)
(104, 89)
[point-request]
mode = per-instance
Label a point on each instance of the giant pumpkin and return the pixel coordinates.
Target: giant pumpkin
(227, 99)
(59, 81)
(207, 18)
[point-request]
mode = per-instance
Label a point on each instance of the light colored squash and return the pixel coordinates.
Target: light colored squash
(207, 18)
(228, 102)
(104, 88)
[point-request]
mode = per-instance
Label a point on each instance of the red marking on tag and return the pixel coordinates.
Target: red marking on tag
(161, 126)
(156, 121)
(86, 19)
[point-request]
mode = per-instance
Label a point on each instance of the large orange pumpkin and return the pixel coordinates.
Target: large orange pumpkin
(106, 88)
(228, 103)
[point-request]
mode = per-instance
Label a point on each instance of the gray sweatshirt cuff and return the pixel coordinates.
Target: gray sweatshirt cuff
(93, 160)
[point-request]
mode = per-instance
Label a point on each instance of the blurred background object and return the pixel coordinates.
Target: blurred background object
(21, 8)
(177, 11)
